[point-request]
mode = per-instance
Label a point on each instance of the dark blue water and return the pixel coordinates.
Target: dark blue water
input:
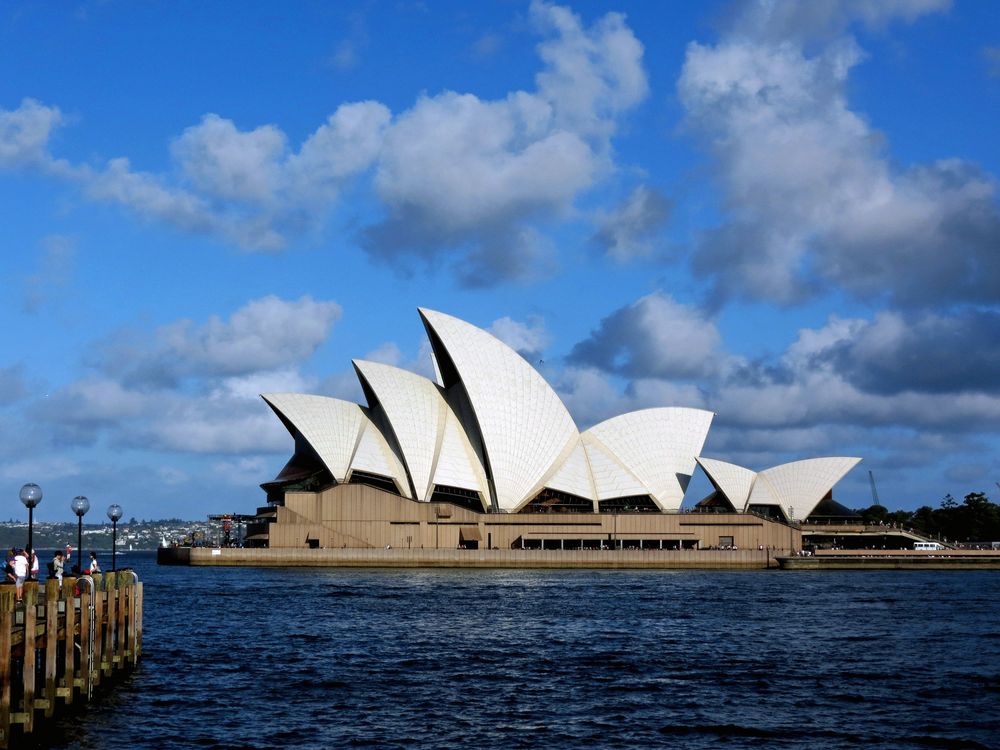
(258, 658)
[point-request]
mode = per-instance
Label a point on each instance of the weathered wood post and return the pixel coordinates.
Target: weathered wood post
(51, 641)
(138, 621)
(6, 626)
(69, 655)
(111, 592)
(97, 632)
(87, 596)
(121, 647)
(28, 666)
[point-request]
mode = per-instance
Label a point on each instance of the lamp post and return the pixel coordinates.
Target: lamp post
(114, 513)
(31, 495)
(80, 506)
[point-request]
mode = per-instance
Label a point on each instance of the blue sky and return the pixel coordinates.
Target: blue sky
(785, 213)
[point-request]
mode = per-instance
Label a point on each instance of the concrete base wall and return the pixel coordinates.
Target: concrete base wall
(457, 558)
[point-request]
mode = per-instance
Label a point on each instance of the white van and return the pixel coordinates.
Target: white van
(927, 545)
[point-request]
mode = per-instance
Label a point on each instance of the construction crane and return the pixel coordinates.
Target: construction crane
(871, 478)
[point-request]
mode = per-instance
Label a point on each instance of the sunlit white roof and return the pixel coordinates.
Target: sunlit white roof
(416, 411)
(612, 478)
(329, 425)
(659, 446)
(799, 486)
(491, 425)
(735, 482)
(374, 456)
(574, 475)
(523, 423)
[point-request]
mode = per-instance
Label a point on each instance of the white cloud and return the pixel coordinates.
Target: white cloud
(529, 339)
(25, 133)
(628, 232)
(809, 196)
(656, 336)
(222, 161)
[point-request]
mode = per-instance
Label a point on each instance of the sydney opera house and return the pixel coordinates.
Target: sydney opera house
(487, 456)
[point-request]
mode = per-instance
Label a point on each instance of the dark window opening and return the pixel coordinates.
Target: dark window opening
(555, 501)
(630, 504)
(373, 480)
(772, 512)
(463, 498)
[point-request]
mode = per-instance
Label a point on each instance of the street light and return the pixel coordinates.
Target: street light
(114, 513)
(80, 506)
(31, 495)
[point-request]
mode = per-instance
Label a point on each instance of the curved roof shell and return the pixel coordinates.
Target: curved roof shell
(416, 412)
(331, 426)
(735, 482)
(523, 424)
(799, 486)
(659, 447)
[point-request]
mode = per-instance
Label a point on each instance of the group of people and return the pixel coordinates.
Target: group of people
(22, 565)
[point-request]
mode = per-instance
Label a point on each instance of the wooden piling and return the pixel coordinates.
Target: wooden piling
(67, 689)
(51, 641)
(6, 646)
(27, 715)
(82, 637)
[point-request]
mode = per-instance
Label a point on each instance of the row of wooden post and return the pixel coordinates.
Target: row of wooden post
(70, 637)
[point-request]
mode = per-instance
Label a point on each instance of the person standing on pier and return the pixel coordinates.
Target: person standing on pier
(33, 563)
(20, 565)
(94, 566)
(58, 567)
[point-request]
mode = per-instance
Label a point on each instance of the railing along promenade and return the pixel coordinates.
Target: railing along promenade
(60, 643)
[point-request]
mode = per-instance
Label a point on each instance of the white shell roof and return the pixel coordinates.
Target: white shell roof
(416, 411)
(575, 475)
(457, 462)
(611, 477)
(523, 423)
(329, 425)
(373, 455)
(420, 435)
(799, 486)
(733, 481)
(659, 446)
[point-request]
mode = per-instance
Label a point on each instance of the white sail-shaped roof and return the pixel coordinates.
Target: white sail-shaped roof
(733, 481)
(416, 412)
(659, 446)
(457, 464)
(329, 425)
(374, 456)
(799, 486)
(574, 476)
(523, 424)
(611, 477)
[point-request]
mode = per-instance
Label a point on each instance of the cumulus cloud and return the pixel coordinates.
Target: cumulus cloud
(528, 339)
(810, 197)
(466, 177)
(629, 231)
(265, 334)
(25, 133)
(656, 336)
(460, 179)
(193, 388)
(927, 353)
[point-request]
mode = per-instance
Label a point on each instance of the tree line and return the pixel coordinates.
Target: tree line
(975, 519)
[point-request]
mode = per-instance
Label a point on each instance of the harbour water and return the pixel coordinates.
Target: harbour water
(328, 658)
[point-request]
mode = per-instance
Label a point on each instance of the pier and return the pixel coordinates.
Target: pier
(58, 644)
